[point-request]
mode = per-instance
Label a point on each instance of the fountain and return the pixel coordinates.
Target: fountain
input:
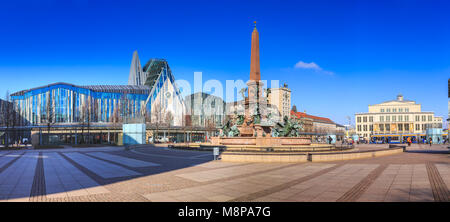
(256, 126)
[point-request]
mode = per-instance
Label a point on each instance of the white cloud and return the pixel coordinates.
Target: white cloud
(313, 66)
(304, 65)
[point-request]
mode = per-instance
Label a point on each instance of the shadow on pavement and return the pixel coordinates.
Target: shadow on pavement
(60, 173)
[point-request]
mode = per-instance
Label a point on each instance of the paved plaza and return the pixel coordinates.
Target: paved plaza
(162, 174)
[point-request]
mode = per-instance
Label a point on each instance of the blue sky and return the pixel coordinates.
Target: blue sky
(349, 53)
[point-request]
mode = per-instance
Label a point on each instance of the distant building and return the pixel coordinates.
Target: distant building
(204, 110)
(341, 129)
(319, 125)
(396, 119)
(281, 98)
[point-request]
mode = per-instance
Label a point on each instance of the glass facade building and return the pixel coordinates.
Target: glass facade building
(67, 103)
(64, 103)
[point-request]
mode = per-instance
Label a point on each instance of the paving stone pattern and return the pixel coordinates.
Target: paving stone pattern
(114, 174)
(99, 167)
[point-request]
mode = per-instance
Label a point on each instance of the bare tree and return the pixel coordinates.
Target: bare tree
(294, 108)
(211, 126)
(85, 118)
(50, 115)
(115, 119)
(156, 118)
(147, 116)
(6, 116)
(169, 121)
(14, 117)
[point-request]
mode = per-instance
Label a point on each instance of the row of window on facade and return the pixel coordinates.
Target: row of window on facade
(395, 118)
(400, 127)
(394, 110)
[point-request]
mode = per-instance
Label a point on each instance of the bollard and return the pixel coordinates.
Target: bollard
(216, 152)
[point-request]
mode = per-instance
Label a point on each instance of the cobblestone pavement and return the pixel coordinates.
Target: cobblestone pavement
(160, 174)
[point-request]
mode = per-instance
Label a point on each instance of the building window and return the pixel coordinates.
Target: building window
(430, 118)
(371, 128)
(394, 110)
(388, 118)
(406, 127)
(400, 127)
(400, 118)
(359, 127)
(394, 118)
(400, 110)
(365, 127)
(381, 118)
(388, 127)
(359, 119)
(407, 110)
(406, 118)
(388, 110)
(417, 126)
(365, 119)
(370, 118)
(424, 118)
(417, 118)
(381, 127)
(382, 110)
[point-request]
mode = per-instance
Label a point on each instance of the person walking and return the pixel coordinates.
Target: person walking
(430, 141)
(409, 141)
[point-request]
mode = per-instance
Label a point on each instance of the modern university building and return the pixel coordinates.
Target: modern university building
(63, 103)
(71, 111)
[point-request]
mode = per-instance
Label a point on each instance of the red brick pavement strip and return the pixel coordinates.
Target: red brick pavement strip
(280, 187)
(10, 163)
(439, 188)
(38, 188)
(110, 197)
(6, 153)
(357, 191)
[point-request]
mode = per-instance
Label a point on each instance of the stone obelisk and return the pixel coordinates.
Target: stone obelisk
(255, 84)
(255, 99)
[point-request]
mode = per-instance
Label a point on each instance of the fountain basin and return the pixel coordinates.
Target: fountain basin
(261, 141)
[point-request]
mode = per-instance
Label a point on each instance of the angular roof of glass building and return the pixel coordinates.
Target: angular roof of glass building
(154, 68)
(129, 89)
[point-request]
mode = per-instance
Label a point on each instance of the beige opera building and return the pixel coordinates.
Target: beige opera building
(395, 120)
